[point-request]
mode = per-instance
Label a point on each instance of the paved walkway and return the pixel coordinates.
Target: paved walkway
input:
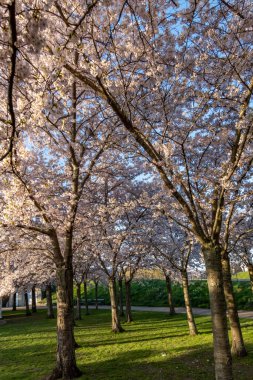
(180, 310)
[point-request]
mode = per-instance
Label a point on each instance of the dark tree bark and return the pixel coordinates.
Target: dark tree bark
(129, 317)
(85, 297)
(250, 269)
(78, 302)
(66, 367)
(121, 310)
(116, 326)
(34, 306)
(96, 295)
(237, 346)
(170, 297)
(50, 310)
(28, 313)
(190, 318)
(222, 354)
(14, 302)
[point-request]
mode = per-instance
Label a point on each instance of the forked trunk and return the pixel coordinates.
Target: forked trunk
(66, 362)
(50, 310)
(78, 302)
(86, 297)
(121, 310)
(237, 346)
(14, 302)
(222, 354)
(27, 309)
(170, 297)
(34, 306)
(96, 295)
(190, 318)
(116, 326)
(129, 317)
(250, 269)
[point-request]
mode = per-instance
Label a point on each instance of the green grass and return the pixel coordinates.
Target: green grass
(154, 347)
(241, 276)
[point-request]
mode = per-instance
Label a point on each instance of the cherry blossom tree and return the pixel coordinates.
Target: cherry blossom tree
(169, 273)
(241, 245)
(50, 171)
(119, 211)
(176, 247)
(179, 80)
(197, 133)
(82, 267)
(133, 253)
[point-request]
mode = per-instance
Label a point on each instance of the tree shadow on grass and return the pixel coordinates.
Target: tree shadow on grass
(33, 361)
(145, 364)
(14, 316)
(197, 364)
(127, 341)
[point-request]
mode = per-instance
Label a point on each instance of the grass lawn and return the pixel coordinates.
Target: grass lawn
(241, 276)
(154, 347)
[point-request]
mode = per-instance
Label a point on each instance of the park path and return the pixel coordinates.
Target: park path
(179, 310)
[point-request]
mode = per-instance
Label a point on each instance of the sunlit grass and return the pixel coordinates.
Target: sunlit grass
(241, 276)
(155, 346)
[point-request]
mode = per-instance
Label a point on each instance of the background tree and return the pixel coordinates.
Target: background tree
(174, 245)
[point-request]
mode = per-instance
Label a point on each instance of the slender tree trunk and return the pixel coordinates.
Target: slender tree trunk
(86, 297)
(116, 326)
(121, 310)
(50, 310)
(96, 294)
(66, 367)
(28, 313)
(250, 269)
(170, 298)
(190, 318)
(14, 302)
(129, 317)
(237, 346)
(222, 354)
(78, 302)
(34, 306)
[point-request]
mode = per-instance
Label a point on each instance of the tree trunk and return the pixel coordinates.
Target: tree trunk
(121, 310)
(14, 302)
(222, 354)
(129, 317)
(250, 269)
(190, 318)
(170, 298)
(86, 297)
(34, 306)
(237, 347)
(96, 294)
(116, 326)
(78, 302)
(66, 367)
(28, 313)
(50, 310)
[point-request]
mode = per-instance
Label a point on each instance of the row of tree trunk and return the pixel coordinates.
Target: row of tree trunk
(117, 310)
(237, 343)
(50, 310)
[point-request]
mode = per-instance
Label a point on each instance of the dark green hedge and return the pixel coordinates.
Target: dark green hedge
(153, 293)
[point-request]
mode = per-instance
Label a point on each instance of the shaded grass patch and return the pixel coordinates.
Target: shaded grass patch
(155, 346)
